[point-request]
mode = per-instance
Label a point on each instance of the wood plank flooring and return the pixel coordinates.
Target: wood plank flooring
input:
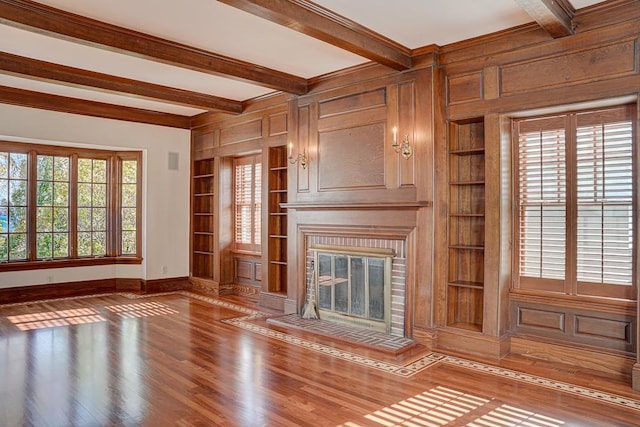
(185, 359)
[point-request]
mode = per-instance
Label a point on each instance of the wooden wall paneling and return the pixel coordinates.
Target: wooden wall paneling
(391, 159)
(241, 132)
(352, 102)
(306, 139)
(407, 125)
(440, 205)
(497, 221)
(278, 123)
(464, 87)
(224, 224)
(352, 158)
(424, 287)
(636, 246)
(597, 63)
(491, 83)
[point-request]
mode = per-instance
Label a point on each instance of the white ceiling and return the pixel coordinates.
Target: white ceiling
(222, 29)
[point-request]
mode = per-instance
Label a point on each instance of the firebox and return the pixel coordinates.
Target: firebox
(353, 285)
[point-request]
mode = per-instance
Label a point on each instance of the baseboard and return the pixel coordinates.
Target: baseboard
(89, 287)
(249, 291)
(463, 341)
(426, 337)
(166, 285)
(273, 301)
(56, 290)
(583, 357)
(204, 285)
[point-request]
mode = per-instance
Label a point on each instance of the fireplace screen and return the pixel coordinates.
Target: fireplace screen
(354, 288)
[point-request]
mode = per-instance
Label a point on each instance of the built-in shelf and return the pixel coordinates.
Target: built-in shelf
(202, 221)
(467, 152)
(466, 226)
(276, 283)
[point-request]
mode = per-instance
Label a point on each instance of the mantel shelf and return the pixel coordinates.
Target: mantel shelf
(312, 206)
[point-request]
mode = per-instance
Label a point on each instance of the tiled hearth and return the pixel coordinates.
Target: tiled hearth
(372, 339)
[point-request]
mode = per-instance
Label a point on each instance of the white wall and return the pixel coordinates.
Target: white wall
(165, 208)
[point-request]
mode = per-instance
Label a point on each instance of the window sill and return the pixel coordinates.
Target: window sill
(66, 263)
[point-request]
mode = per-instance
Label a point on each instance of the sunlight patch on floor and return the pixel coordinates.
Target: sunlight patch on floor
(436, 407)
(52, 319)
(143, 309)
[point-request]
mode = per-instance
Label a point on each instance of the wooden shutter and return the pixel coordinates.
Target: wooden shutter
(247, 197)
(542, 202)
(604, 180)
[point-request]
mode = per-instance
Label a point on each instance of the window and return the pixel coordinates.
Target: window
(67, 206)
(576, 203)
(247, 187)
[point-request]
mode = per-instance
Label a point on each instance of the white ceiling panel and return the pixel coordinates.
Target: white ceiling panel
(93, 95)
(216, 27)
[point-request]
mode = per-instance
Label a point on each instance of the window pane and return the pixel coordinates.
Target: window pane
(13, 201)
(52, 213)
(129, 171)
(17, 246)
(128, 212)
(128, 242)
(92, 207)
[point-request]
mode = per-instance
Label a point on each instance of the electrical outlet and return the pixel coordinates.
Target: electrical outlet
(50, 279)
(164, 269)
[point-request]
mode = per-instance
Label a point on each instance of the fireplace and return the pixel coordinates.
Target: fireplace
(353, 285)
(358, 281)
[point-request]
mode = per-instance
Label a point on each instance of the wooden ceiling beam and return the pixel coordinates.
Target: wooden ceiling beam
(37, 17)
(313, 20)
(555, 16)
(76, 77)
(27, 98)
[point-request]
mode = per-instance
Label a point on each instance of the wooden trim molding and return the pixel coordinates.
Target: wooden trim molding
(555, 16)
(34, 16)
(56, 290)
(356, 206)
(28, 98)
(89, 287)
(49, 71)
(66, 263)
(323, 24)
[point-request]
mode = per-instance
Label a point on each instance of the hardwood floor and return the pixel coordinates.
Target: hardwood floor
(184, 359)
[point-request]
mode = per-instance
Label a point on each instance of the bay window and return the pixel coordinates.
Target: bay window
(68, 206)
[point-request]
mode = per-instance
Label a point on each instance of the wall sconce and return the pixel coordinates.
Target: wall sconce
(403, 148)
(300, 158)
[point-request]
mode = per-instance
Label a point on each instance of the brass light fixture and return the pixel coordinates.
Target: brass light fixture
(301, 158)
(403, 148)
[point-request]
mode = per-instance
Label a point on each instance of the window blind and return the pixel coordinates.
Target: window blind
(604, 199)
(542, 185)
(248, 173)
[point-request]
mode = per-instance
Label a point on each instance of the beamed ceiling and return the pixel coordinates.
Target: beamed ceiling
(164, 61)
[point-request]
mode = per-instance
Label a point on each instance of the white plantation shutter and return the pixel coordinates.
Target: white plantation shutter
(581, 163)
(605, 203)
(542, 190)
(247, 186)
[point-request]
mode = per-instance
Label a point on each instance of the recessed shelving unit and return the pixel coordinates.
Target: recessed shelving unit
(202, 220)
(277, 221)
(466, 225)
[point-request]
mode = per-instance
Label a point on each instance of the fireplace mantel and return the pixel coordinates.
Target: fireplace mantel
(356, 206)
